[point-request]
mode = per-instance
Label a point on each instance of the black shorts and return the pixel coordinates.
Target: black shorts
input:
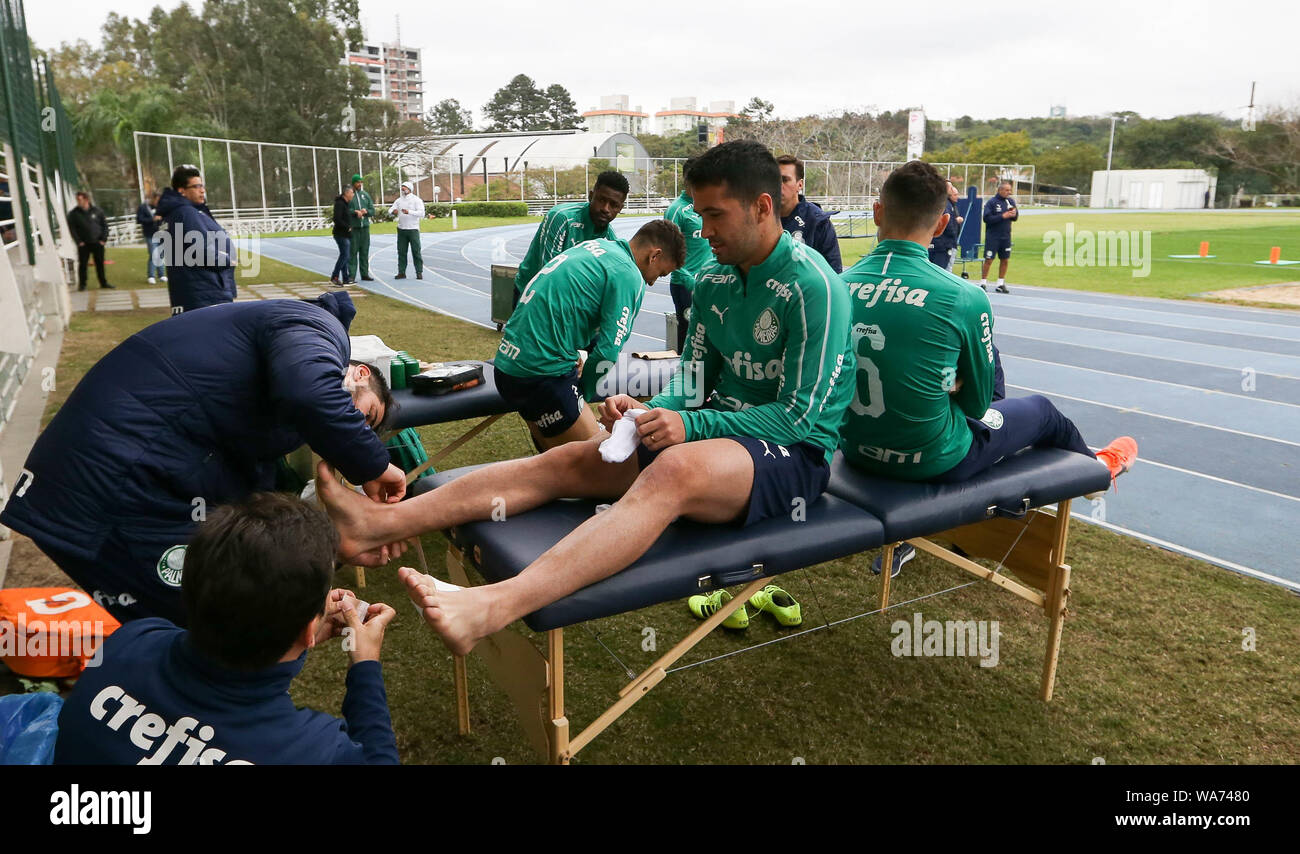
(786, 479)
(1000, 246)
(552, 403)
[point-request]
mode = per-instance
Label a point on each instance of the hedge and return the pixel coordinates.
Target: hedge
(442, 209)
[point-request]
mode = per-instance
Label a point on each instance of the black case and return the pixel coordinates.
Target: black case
(446, 377)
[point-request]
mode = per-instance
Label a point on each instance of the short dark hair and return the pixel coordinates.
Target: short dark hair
(82, 194)
(664, 235)
(612, 179)
(379, 385)
(255, 575)
(914, 196)
(183, 175)
(790, 159)
(746, 167)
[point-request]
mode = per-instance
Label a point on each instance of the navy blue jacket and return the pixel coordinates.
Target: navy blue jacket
(210, 281)
(994, 224)
(148, 225)
(809, 224)
(948, 240)
(195, 406)
(156, 700)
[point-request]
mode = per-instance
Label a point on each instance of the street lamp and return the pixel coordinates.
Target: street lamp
(1111, 150)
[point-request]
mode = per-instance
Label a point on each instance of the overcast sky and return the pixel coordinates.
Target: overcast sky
(982, 58)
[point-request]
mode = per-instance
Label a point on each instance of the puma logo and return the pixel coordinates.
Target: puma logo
(721, 313)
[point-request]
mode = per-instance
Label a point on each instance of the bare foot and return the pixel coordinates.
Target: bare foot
(460, 617)
(357, 519)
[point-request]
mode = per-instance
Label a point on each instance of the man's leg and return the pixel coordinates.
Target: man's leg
(1009, 426)
(354, 250)
(363, 257)
(83, 257)
(97, 251)
(585, 428)
(417, 258)
(705, 481)
(402, 240)
(574, 470)
(681, 305)
(999, 377)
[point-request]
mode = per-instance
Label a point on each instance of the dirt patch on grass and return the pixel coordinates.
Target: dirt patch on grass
(1283, 293)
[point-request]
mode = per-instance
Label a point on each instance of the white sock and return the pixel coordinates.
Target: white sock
(1001, 283)
(623, 441)
(984, 281)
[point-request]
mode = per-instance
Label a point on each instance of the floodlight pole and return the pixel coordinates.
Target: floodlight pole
(1109, 151)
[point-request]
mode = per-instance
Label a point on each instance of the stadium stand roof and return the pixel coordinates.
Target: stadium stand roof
(549, 148)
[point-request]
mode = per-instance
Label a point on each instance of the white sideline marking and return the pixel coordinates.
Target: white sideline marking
(1152, 337)
(1174, 547)
(1233, 368)
(1149, 462)
(1137, 411)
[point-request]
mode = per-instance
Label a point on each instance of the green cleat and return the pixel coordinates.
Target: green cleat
(779, 604)
(706, 606)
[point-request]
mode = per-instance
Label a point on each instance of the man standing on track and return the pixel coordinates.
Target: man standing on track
(999, 212)
(362, 208)
(409, 210)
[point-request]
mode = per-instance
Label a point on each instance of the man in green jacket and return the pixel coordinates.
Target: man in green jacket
(746, 435)
(681, 213)
(362, 207)
(570, 224)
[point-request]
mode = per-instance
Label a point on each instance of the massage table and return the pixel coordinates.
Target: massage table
(1002, 515)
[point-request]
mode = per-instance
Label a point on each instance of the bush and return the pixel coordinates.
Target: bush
(442, 209)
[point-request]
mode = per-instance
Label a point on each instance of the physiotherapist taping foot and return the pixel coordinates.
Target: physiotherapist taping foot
(746, 428)
(184, 416)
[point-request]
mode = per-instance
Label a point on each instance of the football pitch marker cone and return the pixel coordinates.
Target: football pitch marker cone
(1205, 249)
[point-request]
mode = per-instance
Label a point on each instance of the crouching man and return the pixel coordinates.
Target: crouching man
(768, 341)
(592, 291)
(257, 591)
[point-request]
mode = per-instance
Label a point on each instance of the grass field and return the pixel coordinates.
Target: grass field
(426, 225)
(1152, 666)
(1237, 238)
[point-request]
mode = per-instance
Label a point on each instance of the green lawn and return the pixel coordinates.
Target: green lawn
(1238, 239)
(1152, 668)
(128, 270)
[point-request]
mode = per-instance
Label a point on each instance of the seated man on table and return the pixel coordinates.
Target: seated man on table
(922, 342)
(257, 588)
(592, 290)
(744, 432)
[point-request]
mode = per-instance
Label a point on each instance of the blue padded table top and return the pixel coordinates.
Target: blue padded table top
(688, 558)
(1039, 475)
(416, 410)
(637, 377)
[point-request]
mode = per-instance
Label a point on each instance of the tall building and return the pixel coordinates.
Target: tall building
(684, 116)
(613, 116)
(394, 73)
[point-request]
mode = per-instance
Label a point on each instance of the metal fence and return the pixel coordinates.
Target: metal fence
(249, 180)
(37, 176)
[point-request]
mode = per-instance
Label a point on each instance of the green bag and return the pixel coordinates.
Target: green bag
(407, 451)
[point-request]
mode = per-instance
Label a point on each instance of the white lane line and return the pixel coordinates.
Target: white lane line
(1137, 411)
(1233, 368)
(1260, 489)
(1252, 398)
(1219, 309)
(1184, 550)
(405, 297)
(1150, 337)
(1295, 328)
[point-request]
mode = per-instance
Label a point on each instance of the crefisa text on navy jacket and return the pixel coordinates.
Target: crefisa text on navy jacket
(155, 700)
(810, 224)
(196, 406)
(199, 255)
(994, 224)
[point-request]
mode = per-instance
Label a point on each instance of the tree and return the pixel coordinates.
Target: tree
(561, 112)
(1271, 152)
(517, 106)
(1070, 165)
(1177, 143)
(447, 117)
(1003, 148)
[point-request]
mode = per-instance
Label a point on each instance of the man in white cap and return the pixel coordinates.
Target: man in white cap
(409, 209)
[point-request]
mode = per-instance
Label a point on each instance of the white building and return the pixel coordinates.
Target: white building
(394, 72)
(1153, 189)
(684, 116)
(613, 116)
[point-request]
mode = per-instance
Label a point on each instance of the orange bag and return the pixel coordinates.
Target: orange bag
(51, 632)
